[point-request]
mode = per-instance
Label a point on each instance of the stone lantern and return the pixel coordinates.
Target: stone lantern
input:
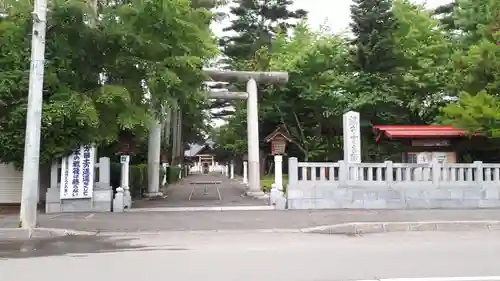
(164, 156)
(278, 139)
(126, 143)
(126, 147)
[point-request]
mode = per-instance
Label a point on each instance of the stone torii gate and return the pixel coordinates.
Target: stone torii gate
(251, 95)
(251, 79)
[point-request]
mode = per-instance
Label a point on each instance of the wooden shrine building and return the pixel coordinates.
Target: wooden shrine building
(422, 144)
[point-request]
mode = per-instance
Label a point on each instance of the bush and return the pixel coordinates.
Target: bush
(268, 180)
(139, 177)
(173, 174)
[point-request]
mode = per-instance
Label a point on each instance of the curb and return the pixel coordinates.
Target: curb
(353, 228)
(200, 209)
(22, 233)
(225, 231)
(382, 227)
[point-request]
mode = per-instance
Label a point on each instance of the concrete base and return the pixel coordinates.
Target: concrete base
(257, 194)
(152, 194)
(52, 201)
(410, 196)
(280, 203)
(101, 202)
(118, 203)
(76, 205)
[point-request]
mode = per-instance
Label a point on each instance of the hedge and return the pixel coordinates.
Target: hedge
(139, 177)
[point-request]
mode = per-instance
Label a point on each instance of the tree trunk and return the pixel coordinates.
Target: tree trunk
(262, 161)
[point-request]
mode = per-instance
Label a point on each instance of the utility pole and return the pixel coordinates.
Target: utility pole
(29, 200)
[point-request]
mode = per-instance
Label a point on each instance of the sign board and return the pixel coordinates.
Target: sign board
(430, 143)
(423, 158)
(77, 174)
(352, 137)
(124, 159)
(428, 157)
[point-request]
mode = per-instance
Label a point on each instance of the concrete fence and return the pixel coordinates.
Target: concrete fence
(391, 185)
(102, 196)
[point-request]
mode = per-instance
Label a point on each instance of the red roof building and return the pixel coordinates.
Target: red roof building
(416, 132)
(423, 143)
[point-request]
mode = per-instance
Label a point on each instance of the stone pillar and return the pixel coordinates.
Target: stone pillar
(352, 143)
(165, 170)
(154, 151)
(278, 172)
(253, 140)
(226, 171)
(103, 192)
(127, 198)
(52, 197)
(293, 171)
(276, 196)
(104, 173)
(245, 172)
(119, 201)
(232, 170)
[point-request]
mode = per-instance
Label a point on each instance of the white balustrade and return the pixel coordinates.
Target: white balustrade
(317, 185)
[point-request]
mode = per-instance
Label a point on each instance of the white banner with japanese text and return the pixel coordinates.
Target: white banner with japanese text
(77, 174)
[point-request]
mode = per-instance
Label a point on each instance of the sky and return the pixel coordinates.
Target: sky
(334, 14)
(337, 14)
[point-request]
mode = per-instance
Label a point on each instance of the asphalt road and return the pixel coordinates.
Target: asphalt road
(256, 256)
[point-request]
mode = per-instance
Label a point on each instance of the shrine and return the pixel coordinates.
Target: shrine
(202, 156)
(424, 143)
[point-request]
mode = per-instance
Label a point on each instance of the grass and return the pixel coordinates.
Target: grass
(268, 180)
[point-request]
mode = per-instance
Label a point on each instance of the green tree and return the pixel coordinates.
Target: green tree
(374, 61)
(476, 66)
(423, 51)
(373, 25)
(309, 105)
(445, 15)
(98, 69)
(256, 24)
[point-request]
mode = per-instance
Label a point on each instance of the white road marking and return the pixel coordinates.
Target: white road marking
(480, 278)
(89, 216)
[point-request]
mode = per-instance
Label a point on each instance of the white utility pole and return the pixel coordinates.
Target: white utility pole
(31, 165)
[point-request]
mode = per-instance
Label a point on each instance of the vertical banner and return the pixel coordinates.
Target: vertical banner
(77, 174)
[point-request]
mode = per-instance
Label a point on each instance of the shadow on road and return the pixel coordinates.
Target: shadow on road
(76, 246)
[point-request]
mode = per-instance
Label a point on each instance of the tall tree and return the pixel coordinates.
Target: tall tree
(476, 79)
(254, 26)
(373, 24)
(374, 61)
(256, 23)
(423, 50)
(445, 14)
